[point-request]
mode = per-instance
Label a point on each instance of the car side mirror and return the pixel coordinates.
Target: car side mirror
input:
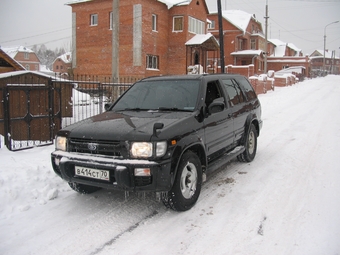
(216, 106)
(107, 107)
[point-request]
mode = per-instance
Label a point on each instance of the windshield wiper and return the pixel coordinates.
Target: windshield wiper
(175, 109)
(134, 109)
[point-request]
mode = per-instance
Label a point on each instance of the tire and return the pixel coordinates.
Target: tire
(187, 185)
(82, 188)
(250, 145)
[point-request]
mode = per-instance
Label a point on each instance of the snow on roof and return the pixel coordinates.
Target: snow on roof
(238, 18)
(169, 3)
(12, 51)
(16, 73)
(66, 57)
(293, 47)
(246, 52)
(292, 69)
(200, 38)
(77, 2)
(319, 54)
(280, 49)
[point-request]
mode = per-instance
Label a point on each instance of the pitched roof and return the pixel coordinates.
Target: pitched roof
(206, 40)
(13, 51)
(169, 3)
(11, 61)
(238, 18)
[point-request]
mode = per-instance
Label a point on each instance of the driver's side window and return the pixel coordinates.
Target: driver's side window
(213, 92)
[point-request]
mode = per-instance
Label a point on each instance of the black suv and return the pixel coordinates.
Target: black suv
(163, 135)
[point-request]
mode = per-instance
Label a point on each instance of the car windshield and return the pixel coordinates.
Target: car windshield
(166, 95)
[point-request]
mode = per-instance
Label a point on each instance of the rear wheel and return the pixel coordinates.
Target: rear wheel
(82, 188)
(187, 186)
(250, 145)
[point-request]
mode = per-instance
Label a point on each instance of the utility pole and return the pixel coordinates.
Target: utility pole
(266, 39)
(115, 41)
(220, 26)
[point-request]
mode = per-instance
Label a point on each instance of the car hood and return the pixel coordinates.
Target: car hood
(129, 125)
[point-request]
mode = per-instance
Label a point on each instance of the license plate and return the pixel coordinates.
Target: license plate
(92, 173)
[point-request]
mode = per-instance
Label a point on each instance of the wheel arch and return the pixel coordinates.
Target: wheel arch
(252, 119)
(196, 148)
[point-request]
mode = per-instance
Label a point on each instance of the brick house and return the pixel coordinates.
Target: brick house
(152, 37)
(26, 57)
(63, 64)
(282, 55)
(332, 63)
(8, 64)
(244, 41)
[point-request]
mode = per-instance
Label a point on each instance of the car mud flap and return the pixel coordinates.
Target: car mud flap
(123, 178)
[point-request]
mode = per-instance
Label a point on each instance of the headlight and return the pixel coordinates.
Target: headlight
(146, 149)
(141, 150)
(60, 143)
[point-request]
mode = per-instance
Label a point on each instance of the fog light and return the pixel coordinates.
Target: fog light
(57, 161)
(142, 172)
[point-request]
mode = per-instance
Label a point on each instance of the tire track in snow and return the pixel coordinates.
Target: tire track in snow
(128, 230)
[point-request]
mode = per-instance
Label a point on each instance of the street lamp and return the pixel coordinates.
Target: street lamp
(324, 42)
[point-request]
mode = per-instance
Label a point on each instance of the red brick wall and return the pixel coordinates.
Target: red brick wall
(247, 71)
(94, 44)
(33, 62)
(60, 66)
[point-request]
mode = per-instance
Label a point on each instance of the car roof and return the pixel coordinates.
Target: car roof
(189, 77)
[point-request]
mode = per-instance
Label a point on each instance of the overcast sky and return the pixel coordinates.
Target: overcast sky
(301, 22)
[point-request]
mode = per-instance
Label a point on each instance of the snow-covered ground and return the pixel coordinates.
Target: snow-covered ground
(287, 201)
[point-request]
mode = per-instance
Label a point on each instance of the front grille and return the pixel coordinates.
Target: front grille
(109, 148)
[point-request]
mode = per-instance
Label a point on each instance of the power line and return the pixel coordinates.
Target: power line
(32, 36)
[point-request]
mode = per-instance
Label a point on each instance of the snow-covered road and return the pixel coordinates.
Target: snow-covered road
(287, 201)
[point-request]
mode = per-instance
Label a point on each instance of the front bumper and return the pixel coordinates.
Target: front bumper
(121, 171)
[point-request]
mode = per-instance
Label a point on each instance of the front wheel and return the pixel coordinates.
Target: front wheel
(250, 145)
(187, 186)
(82, 188)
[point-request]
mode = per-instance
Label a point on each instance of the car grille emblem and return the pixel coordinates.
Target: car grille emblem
(92, 146)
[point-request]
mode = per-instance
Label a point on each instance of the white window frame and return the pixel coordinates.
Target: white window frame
(152, 62)
(253, 44)
(26, 55)
(173, 23)
(154, 22)
(211, 25)
(196, 26)
(94, 19)
(111, 20)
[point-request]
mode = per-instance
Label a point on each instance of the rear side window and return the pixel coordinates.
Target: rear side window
(248, 89)
(234, 92)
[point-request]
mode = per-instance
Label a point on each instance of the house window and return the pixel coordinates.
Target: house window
(240, 44)
(57, 67)
(196, 26)
(27, 67)
(152, 62)
(37, 67)
(26, 55)
(253, 44)
(178, 24)
(94, 20)
(211, 25)
(111, 20)
(154, 22)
